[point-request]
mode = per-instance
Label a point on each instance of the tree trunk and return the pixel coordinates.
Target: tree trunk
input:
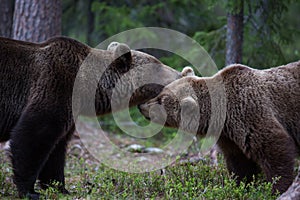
(37, 20)
(90, 22)
(234, 35)
(6, 17)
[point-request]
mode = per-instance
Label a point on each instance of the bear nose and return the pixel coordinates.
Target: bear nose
(144, 109)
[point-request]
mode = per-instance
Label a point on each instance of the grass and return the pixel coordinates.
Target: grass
(91, 180)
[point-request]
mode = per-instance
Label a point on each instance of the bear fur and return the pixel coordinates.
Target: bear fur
(36, 85)
(261, 131)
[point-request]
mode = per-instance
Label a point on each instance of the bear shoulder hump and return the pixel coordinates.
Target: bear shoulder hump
(235, 69)
(62, 42)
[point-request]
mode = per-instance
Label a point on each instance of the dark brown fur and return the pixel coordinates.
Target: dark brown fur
(36, 82)
(262, 126)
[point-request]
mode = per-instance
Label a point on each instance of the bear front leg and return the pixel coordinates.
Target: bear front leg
(32, 140)
(278, 159)
(236, 161)
(53, 170)
(243, 168)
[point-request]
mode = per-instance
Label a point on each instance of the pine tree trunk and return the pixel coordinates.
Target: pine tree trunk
(234, 35)
(6, 17)
(37, 20)
(90, 22)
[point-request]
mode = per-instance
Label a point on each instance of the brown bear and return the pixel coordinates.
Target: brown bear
(36, 86)
(261, 129)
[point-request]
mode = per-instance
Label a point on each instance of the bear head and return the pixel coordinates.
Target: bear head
(183, 104)
(125, 78)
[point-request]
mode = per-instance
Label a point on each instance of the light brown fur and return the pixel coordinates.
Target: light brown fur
(261, 131)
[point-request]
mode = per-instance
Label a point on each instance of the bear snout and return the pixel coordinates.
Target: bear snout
(154, 112)
(144, 109)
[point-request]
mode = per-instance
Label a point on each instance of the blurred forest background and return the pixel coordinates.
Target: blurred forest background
(258, 33)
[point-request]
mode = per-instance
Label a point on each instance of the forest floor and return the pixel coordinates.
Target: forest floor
(191, 176)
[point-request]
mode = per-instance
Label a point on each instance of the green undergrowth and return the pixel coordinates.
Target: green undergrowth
(91, 180)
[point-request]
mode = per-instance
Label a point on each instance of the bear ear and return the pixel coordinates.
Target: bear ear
(187, 71)
(112, 46)
(189, 115)
(188, 104)
(121, 55)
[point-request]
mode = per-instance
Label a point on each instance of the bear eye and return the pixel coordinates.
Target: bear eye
(174, 106)
(159, 100)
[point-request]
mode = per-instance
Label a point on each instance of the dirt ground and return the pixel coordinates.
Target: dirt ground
(119, 152)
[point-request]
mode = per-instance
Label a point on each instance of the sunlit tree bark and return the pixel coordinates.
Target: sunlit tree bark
(37, 20)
